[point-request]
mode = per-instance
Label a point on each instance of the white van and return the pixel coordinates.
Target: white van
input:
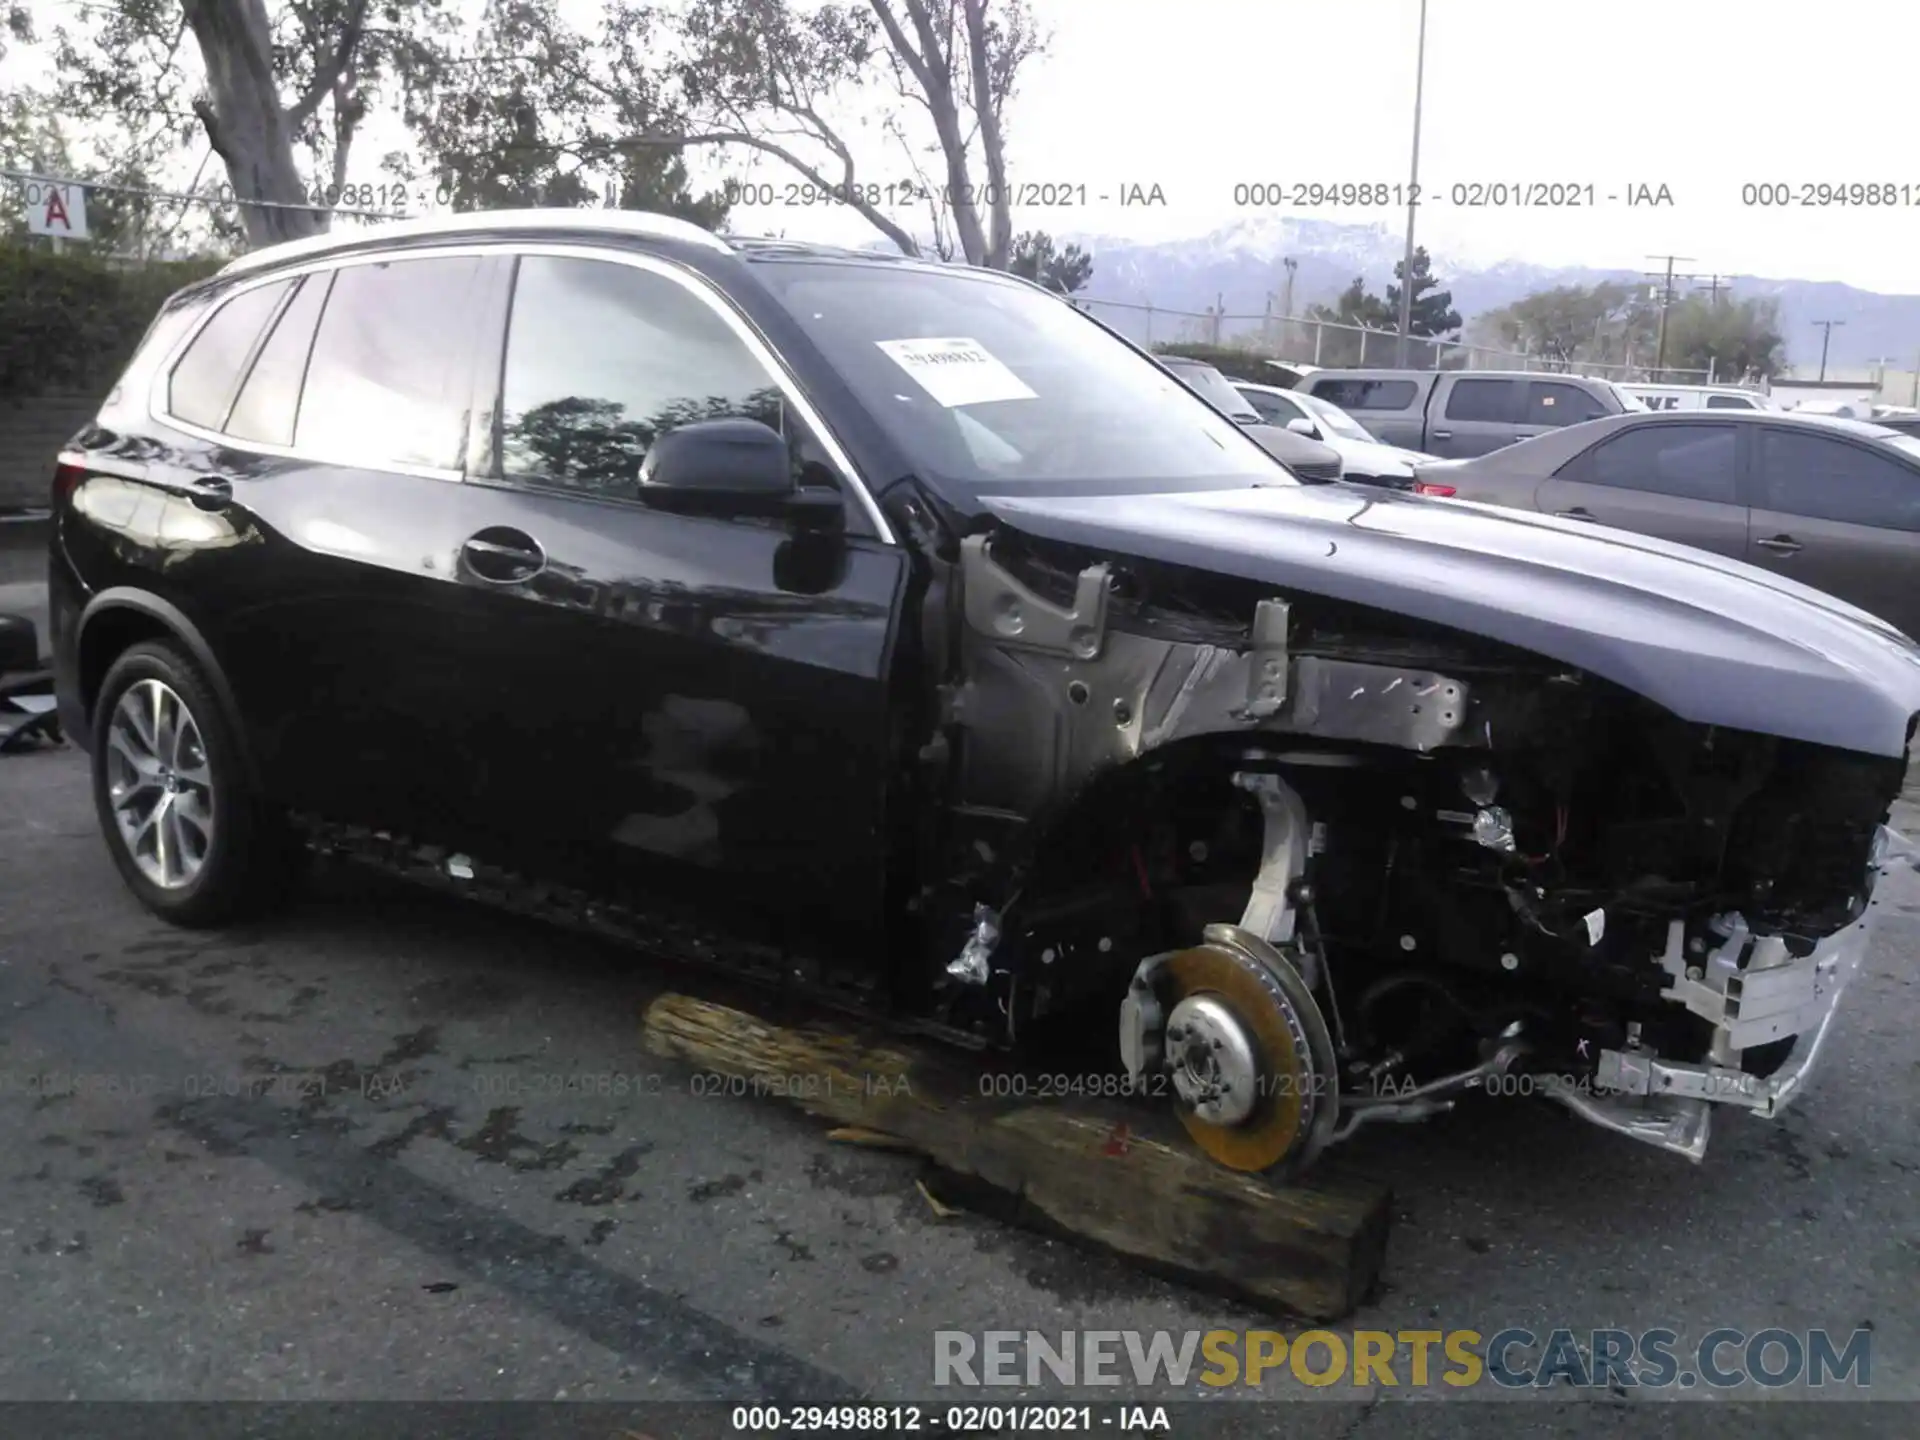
(1700, 397)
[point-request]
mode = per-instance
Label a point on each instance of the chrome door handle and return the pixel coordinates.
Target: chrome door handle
(1443, 434)
(1574, 514)
(1781, 545)
(501, 555)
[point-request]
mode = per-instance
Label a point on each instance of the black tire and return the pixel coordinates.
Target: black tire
(252, 854)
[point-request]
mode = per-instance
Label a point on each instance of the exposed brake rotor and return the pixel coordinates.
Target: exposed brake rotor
(1234, 1028)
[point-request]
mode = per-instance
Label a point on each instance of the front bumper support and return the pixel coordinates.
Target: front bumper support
(1754, 991)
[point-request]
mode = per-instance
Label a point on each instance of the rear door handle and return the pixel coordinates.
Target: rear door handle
(1443, 434)
(1781, 545)
(1576, 513)
(502, 555)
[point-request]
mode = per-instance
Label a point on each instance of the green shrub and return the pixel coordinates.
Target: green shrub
(70, 321)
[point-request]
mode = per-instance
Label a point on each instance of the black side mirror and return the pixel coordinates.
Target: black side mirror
(726, 465)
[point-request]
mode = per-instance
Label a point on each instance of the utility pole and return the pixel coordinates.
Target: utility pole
(1286, 304)
(1826, 339)
(1666, 303)
(1413, 187)
(1916, 382)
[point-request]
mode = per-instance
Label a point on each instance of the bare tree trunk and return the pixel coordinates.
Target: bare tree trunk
(932, 68)
(993, 144)
(248, 127)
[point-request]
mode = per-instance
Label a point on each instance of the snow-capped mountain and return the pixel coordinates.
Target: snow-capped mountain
(1240, 267)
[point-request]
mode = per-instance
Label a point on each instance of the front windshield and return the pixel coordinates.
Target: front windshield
(1335, 419)
(989, 383)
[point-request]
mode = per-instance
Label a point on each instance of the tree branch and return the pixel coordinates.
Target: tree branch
(869, 212)
(327, 74)
(216, 135)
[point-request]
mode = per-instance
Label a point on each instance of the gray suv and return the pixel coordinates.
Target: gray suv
(1455, 414)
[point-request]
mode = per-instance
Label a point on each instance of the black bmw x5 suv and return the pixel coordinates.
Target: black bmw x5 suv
(901, 623)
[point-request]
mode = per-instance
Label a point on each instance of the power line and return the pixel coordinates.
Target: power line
(26, 176)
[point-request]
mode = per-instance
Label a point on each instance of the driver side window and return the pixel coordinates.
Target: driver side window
(603, 358)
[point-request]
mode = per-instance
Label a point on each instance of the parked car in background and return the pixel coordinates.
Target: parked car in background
(1830, 502)
(1701, 397)
(1309, 459)
(1903, 418)
(1454, 413)
(1364, 458)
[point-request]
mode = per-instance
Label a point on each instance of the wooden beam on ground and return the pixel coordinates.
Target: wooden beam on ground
(1115, 1175)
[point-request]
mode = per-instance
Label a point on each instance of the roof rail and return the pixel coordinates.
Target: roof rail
(468, 222)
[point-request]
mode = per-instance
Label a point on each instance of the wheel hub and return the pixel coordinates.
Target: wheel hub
(1216, 1072)
(1234, 1028)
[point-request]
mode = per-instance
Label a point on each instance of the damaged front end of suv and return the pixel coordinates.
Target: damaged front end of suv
(1332, 843)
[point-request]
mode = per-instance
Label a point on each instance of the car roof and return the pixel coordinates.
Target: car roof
(625, 225)
(1866, 429)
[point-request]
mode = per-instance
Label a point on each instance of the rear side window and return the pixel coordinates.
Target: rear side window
(200, 390)
(1554, 402)
(1730, 402)
(1275, 409)
(389, 379)
(1491, 400)
(271, 397)
(1368, 394)
(1827, 479)
(1690, 462)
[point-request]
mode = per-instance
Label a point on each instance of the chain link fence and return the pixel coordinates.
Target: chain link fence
(1332, 345)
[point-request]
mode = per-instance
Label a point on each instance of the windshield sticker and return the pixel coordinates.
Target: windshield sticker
(956, 371)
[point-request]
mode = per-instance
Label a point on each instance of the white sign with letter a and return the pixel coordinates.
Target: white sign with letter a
(55, 209)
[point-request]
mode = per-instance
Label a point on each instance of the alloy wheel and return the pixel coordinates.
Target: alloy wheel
(160, 784)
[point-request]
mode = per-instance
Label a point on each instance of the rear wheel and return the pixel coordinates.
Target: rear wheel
(185, 829)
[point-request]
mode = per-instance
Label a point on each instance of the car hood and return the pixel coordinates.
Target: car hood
(1291, 449)
(1370, 457)
(1715, 641)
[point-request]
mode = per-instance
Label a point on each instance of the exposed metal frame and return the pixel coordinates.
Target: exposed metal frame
(695, 284)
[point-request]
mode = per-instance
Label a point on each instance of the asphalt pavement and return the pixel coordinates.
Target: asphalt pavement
(390, 1146)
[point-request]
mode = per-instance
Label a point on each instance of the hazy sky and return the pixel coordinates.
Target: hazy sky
(1702, 96)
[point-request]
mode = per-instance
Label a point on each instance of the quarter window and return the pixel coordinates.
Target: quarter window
(1552, 402)
(390, 375)
(201, 387)
(1368, 394)
(1690, 462)
(1730, 402)
(603, 358)
(271, 397)
(1490, 400)
(1827, 479)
